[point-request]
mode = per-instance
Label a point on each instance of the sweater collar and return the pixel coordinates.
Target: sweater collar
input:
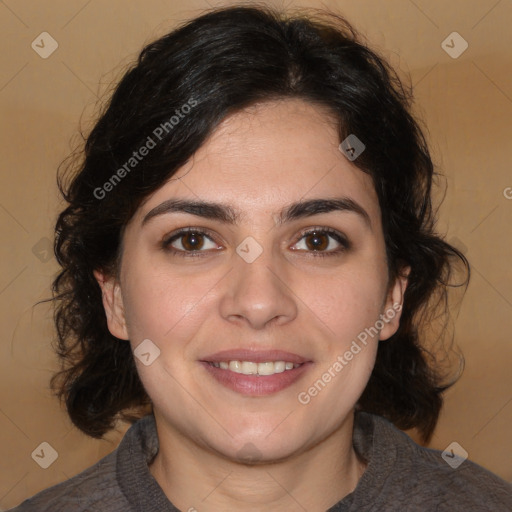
(374, 439)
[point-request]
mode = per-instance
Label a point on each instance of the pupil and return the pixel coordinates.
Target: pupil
(192, 241)
(316, 241)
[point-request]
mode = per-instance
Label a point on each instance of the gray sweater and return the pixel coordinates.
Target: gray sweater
(400, 476)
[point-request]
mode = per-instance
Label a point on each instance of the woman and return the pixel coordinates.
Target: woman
(248, 262)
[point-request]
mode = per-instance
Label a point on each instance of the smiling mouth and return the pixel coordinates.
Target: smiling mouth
(253, 368)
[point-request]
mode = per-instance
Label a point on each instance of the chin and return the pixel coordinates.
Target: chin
(261, 449)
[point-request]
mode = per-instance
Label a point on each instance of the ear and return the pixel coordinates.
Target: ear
(392, 310)
(113, 304)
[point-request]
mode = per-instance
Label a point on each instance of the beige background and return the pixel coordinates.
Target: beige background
(465, 102)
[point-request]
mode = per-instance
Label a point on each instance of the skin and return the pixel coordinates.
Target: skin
(291, 298)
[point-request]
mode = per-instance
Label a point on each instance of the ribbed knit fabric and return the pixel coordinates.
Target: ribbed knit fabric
(400, 476)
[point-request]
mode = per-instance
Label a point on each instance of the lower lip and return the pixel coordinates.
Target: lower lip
(254, 385)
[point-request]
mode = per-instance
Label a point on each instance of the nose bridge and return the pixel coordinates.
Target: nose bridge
(255, 292)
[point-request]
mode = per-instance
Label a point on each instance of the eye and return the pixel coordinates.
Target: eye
(190, 240)
(322, 242)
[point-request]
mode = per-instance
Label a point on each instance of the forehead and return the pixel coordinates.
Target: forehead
(267, 156)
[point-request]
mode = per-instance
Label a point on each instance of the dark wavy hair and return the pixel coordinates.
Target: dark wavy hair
(223, 62)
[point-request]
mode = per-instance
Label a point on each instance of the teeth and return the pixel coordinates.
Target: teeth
(252, 368)
(279, 366)
(249, 368)
(235, 366)
(266, 368)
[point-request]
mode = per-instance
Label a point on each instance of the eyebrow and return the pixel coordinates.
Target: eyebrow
(226, 214)
(214, 211)
(316, 206)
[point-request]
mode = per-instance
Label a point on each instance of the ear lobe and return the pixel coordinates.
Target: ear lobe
(393, 307)
(113, 304)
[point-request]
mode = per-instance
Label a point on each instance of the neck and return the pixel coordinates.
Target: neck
(195, 478)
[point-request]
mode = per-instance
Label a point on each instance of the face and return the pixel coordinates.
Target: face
(265, 249)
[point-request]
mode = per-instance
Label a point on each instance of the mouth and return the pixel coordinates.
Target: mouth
(256, 373)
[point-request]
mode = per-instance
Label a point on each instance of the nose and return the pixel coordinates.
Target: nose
(258, 294)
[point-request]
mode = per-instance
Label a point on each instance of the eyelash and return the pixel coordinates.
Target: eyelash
(338, 237)
(166, 243)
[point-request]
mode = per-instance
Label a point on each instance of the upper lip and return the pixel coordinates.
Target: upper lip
(257, 356)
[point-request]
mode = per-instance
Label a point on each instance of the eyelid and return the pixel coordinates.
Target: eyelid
(189, 229)
(178, 233)
(334, 233)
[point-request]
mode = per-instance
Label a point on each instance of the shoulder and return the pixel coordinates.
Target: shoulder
(103, 487)
(421, 477)
(83, 492)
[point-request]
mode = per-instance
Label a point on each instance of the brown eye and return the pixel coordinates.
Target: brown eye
(317, 241)
(192, 241)
(322, 242)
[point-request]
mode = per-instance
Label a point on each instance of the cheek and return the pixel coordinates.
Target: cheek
(347, 302)
(160, 304)
(347, 307)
